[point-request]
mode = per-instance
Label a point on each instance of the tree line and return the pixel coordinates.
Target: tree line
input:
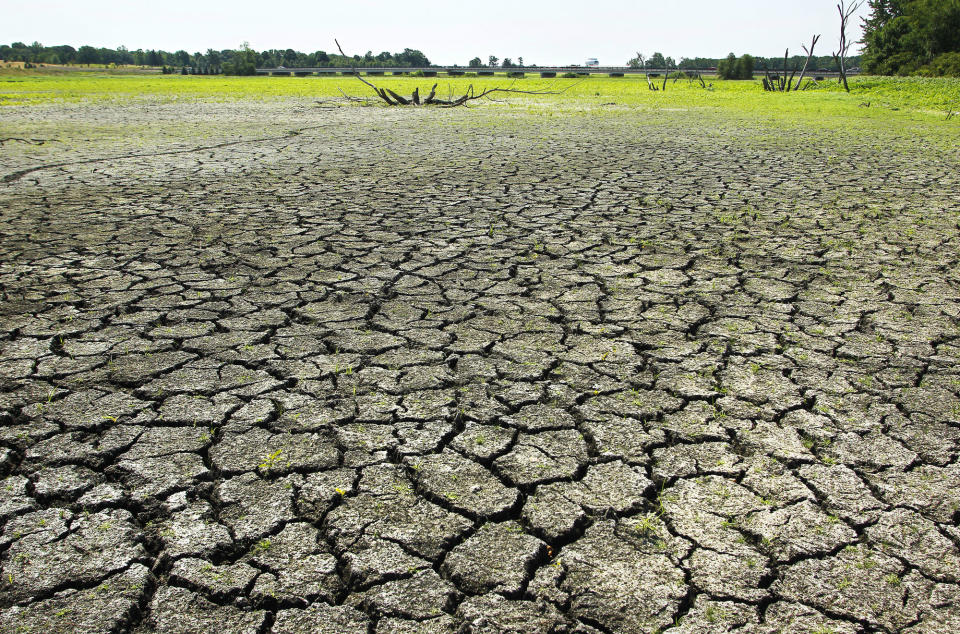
(243, 60)
(737, 67)
(912, 37)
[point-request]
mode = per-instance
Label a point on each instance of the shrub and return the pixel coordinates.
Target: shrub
(945, 65)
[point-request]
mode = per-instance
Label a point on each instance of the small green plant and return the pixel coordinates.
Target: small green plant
(271, 460)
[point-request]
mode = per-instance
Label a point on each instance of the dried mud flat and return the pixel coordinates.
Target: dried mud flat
(475, 371)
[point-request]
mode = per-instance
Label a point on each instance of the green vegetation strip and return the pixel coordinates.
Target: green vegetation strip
(872, 98)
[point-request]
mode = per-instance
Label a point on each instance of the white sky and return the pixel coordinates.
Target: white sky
(449, 32)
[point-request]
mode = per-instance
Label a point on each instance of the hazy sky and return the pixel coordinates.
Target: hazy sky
(448, 32)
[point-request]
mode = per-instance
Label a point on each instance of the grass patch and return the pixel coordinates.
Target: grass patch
(872, 99)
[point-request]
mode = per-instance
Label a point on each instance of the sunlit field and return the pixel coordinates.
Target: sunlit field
(870, 97)
(276, 359)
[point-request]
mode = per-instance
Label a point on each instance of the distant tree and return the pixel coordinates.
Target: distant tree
(493, 60)
(507, 63)
(124, 56)
(727, 68)
(638, 61)
(88, 55)
(744, 67)
(657, 60)
(182, 58)
(476, 62)
(322, 57)
(243, 62)
(412, 58)
(66, 53)
(520, 62)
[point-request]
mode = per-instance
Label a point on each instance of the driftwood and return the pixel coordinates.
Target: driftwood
(393, 99)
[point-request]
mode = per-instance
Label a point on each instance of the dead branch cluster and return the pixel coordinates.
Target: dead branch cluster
(783, 83)
(391, 98)
(677, 76)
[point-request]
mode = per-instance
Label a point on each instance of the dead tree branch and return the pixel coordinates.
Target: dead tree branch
(809, 52)
(846, 12)
(13, 139)
(393, 99)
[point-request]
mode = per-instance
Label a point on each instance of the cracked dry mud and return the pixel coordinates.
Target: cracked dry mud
(476, 371)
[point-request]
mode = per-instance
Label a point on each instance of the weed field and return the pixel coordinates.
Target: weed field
(611, 360)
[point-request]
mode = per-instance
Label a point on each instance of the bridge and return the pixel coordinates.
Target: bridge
(543, 71)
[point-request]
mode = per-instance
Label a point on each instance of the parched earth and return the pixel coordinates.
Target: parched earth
(284, 368)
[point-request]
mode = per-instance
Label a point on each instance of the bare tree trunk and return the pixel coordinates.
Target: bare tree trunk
(840, 56)
(783, 77)
(809, 53)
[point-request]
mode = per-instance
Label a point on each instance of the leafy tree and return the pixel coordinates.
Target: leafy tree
(727, 68)
(87, 55)
(520, 62)
(493, 60)
(901, 36)
(947, 65)
(636, 62)
(476, 62)
(507, 63)
(744, 67)
(657, 60)
(412, 57)
(244, 62)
